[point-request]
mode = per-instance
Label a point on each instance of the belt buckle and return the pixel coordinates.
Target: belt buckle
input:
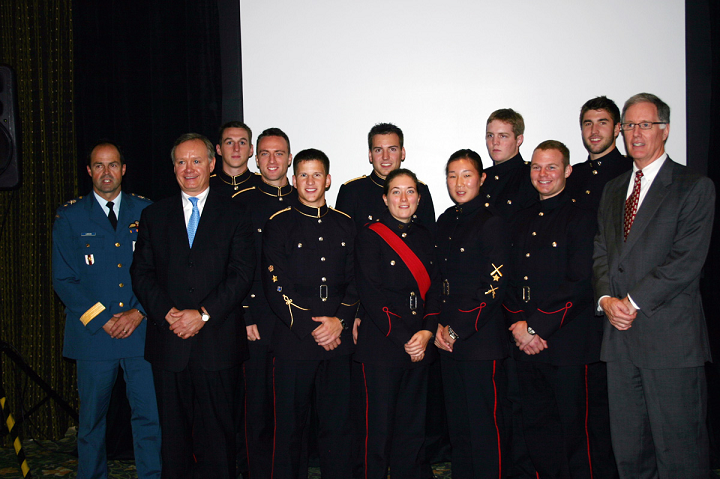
(413, 301)
(324, 292)
(526, 293)
(446, 287)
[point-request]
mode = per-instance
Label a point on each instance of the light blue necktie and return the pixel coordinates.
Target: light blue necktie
(194, 220)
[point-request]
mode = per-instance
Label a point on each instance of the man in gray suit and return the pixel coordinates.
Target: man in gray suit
(654, 230)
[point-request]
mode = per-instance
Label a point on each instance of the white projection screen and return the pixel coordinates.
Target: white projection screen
(325, 71)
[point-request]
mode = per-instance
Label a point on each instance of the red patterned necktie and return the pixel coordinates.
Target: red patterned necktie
(631, 204)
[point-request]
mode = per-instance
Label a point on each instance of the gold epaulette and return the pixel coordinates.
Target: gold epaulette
(139, 196)
(355, 179)
(213, 175)
(281, 211)
(72, 202)
(341, 212)
(242, 191)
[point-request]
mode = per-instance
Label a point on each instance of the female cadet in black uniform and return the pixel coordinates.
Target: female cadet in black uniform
(472, 253)
(399, 289)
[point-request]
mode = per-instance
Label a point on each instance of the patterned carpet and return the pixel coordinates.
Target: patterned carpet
(55, 459)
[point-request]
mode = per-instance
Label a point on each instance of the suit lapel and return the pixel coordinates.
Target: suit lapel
(617, 215)
(176, 223)
(209, 214)
(653, 199)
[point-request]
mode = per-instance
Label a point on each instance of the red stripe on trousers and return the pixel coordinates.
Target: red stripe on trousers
(496, 422)
(587, 411)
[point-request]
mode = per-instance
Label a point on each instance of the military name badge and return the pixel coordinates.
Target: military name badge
(89, 259)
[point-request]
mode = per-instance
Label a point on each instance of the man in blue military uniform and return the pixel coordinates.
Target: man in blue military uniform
(93, 242)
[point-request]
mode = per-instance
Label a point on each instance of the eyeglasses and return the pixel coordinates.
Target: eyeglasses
(645, 125)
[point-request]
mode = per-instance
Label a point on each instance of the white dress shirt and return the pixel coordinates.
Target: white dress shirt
(187, 206)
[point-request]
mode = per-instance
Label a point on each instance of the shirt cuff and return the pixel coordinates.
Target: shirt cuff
(599, 308)
(633, 302)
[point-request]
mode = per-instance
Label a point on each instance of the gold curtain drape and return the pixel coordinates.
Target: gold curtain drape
(36, 40)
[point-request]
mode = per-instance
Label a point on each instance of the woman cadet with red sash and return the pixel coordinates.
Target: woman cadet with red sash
(399, 288)
(473, 249)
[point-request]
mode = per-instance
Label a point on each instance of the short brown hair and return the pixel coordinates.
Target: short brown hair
(508, 115)
(556, 145)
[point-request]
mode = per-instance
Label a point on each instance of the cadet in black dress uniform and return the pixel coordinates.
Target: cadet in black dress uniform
(472, 252)
(272, 194)
(361, 198)
(401, 306)
(550, 303)
(600, 124)
(508, 189)
(507, 186)
(235, 148)
(308, 279)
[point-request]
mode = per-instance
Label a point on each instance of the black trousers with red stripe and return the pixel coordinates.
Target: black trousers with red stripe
(394, 431)
(473, 391)
(555, 419)
(294, 384)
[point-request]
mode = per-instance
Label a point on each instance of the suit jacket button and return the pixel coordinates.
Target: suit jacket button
(191, 290)
(620, 268)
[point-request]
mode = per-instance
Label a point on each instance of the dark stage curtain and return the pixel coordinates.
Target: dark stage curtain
(36, 40)
(145, 73)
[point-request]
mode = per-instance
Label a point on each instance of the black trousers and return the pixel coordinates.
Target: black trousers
(294, 383)
(555, 419)
(601, 451)
(473, 390)
(197, 411)
(394, 432)
(256, 425)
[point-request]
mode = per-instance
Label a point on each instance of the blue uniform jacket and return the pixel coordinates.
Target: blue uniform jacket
(91, 275)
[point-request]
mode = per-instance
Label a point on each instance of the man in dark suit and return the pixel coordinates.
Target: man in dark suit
(93, 240)
(194, 263)
(654, 230)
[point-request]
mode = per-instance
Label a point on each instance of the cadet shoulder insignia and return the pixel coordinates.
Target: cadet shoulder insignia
(355, 179)
(341, 212)
(281, 211)
(243, 191)
(139, 196)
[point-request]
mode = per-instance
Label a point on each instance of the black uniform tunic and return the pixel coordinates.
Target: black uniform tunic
(552, 258)
(587, 181)
(550, 288)
(361, 198)
(262, 201)
(508, 188)
(308, 272)
(395, 388)
(473, 254)
(229, 185)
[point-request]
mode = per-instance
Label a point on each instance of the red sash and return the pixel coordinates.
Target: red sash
(406, 254)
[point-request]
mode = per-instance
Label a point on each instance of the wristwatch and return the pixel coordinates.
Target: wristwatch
(342, 323)
(204, 315)
(453, 335)
(531, 331)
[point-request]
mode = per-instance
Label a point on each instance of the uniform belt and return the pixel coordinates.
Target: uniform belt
(322, 291)
(524, 293)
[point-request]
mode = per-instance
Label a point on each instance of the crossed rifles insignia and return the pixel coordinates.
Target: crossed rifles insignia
(496, 275)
